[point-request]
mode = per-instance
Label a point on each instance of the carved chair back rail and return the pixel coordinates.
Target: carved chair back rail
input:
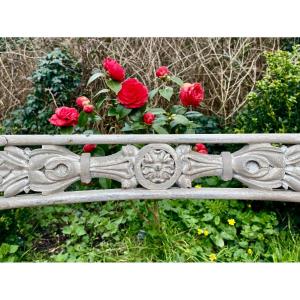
(155, 171)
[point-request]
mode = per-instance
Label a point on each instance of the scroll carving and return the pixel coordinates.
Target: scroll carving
(52, 169)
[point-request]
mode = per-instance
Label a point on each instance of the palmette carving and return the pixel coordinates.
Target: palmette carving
(52, 169)
(196, 165)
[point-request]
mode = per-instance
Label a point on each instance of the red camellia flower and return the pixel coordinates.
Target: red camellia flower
(148, 118)
(89, 148)
(82, 101)
(162, 72)
(201, 148)
(191, 94)
(65, 116)
(88, 108)
(114, 69)
(133, 94)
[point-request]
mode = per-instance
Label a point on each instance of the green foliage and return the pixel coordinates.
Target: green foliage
(287, 44)
(274, 105)
(55, 82)
(166, 230)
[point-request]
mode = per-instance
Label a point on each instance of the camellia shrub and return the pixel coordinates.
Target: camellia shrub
(274, 105)
(55, 82)
(131, 105)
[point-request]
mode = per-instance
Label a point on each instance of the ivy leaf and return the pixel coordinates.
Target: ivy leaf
(166, 92)
(176, 80)
(79, 230)
(160, 130)
(153, 93)
(94, 77)
(115, 86)
(13, 249)
(67, 230)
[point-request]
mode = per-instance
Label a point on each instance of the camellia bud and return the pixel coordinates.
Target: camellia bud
(201, 148)
(162, 72)
(82, 101)
(148, 118)
(88, 108)
(89, 148)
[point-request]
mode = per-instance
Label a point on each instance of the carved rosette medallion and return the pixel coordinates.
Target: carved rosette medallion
(157, 166)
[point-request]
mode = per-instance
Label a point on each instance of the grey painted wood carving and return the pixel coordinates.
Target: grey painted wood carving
(51, 169)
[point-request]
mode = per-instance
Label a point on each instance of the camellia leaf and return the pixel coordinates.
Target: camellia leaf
(94, 77)
(101, 92)
(157, 111)
(126, 127)
(176, 80)
(178, 109)
(83, 118)
(166, 92)
(179, 120)
(115, 86)
(193, 114)
(67, 130)
(159, 129)
(123, 111)
(153, 93)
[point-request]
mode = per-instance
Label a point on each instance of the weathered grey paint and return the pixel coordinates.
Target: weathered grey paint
(26, 140)
(158, 167)
(139, 193)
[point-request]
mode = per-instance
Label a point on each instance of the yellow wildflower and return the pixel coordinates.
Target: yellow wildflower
(198, 186)
(206, 232)
(212, 257)
(249, 205)
(199, 231)
(250, 251)
(231, 222)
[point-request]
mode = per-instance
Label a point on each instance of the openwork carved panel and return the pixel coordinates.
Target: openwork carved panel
(51, 169)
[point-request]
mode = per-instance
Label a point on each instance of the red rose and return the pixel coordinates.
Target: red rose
(162, 72)
(191, 94)
(65, 116)
(148, 118)
(114, 69)
(88, 108)
(82, 100)
(133, 94)
(89, 148)
(201, 148)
